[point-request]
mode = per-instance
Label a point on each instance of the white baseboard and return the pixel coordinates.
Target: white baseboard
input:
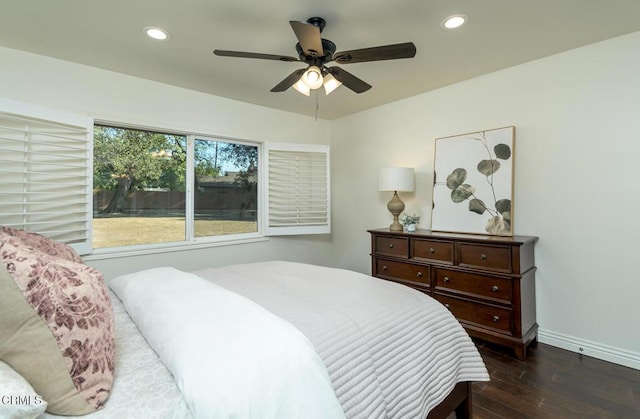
(592, 349)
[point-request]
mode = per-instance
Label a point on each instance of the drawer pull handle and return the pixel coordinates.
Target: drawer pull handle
(446, 279)
(390, 245)
(483, 257)
(496, 319)
(495, 288)
(419, 274)
(384, 268)
(432, 250)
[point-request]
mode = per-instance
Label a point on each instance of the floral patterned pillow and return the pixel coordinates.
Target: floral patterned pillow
(57, 318)
(44, 244)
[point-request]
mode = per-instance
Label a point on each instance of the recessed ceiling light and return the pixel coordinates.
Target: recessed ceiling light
(454, 21)
(156, 33)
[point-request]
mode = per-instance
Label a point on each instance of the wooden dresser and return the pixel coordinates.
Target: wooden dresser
(488, 282)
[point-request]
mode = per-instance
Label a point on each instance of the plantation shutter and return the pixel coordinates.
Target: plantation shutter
(45, 172)
(297, 189)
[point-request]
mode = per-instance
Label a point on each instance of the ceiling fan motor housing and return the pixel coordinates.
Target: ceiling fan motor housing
(317, 21)
(328, 47)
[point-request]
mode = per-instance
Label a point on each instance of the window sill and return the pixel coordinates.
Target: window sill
(129, 251)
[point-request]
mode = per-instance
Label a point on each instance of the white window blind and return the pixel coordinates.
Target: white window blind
(297, 189)
(45, 173)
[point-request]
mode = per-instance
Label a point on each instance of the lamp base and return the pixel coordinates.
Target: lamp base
(395, 207)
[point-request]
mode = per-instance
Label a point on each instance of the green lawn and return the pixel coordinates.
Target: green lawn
(127, 231)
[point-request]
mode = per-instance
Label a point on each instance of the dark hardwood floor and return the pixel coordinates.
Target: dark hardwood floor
(554, 383)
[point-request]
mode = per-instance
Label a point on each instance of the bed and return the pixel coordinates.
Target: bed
(283, 339)
(390, 351)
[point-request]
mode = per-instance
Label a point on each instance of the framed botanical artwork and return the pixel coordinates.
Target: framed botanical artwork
(473, 183)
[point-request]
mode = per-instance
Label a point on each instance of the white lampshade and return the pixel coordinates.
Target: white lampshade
(396, 179)
(312, 77)
(330, 83)
(302, 88)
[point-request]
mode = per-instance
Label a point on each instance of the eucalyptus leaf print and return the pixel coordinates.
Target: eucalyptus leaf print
(502, 151)
(462, 193)
(482, 178)
(498, 223)
(476, 205)
(456, 178)
(488, 167)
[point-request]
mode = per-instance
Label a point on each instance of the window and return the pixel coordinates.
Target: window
(140, 183)
(44, 166)
(138, 187)
(111, 187)
(226, 188)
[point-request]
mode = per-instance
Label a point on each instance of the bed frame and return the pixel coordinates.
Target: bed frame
(458, 401)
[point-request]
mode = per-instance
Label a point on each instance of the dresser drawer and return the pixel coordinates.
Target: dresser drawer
(486, 316)
(392, 246)
(483, 286)
(432, 250)
(495, 258)
(402, 271)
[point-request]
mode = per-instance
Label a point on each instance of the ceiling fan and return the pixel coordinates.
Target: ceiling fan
(317, 52)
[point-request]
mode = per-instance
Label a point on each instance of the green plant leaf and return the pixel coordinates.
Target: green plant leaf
(488, 167)
(502, 151)
(456, 178)
(407, 219)
(503, 205)
(462, 192)
(477, 206)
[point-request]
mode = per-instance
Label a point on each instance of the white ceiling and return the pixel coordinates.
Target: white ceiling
(500, 34)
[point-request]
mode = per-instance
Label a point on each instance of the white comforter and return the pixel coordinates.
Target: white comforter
(143, 387)
(230, 357)
(391, 351)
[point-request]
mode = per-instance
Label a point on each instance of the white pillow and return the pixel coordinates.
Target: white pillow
(18, 400)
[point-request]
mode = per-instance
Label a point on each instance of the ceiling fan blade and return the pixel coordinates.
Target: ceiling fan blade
(239, 54)
(289, 81)
(385, 52)
(349, 80)
(309, 37)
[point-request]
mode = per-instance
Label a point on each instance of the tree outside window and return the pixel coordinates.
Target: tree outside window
(140, 194)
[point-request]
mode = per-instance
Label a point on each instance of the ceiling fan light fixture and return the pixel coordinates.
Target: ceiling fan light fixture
(331, 83)
(316, 52)
(455, 21)
(302, 88)
(312, 77)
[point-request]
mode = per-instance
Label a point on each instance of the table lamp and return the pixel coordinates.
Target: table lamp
(396, 179)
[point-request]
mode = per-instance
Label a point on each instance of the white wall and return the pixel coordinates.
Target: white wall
(110, 96)
(577, 182)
